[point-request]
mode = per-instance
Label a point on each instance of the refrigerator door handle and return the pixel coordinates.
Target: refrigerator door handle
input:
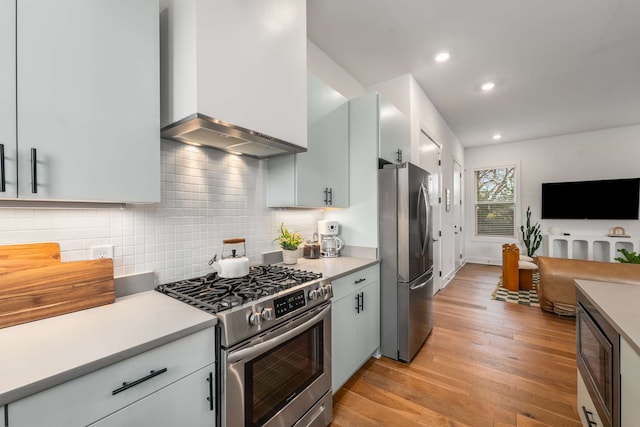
(422, 194)
(421, 285)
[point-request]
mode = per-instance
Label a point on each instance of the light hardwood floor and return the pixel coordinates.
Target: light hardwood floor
(486, 363)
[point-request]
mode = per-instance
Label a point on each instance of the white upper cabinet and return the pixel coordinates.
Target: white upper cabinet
(320, 176)
(384, 125)
(88, 125)
(394, 144)
(8, 167)
(240, 62)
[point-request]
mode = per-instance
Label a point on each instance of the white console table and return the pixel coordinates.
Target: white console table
(590, 247)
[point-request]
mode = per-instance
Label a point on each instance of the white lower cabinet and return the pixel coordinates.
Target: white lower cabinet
(355, 323)
(586, 407)
(629, 385)
(139, 386)
(183, 403)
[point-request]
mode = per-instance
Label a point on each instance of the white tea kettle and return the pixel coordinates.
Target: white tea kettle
(233, 266)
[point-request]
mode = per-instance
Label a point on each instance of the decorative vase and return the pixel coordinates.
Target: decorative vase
(289, 256)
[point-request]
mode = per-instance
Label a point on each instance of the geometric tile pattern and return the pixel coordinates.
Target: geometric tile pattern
(521, 297)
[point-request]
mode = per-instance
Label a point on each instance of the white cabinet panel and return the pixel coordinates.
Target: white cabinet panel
(320, 176)
(629, 385)
(8, 167)
(395, 133)
(355, 322)
(100, 393)
(183, 403)
(88, 100)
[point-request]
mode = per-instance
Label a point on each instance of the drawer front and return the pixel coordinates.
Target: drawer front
(90, 397)
(354, 281)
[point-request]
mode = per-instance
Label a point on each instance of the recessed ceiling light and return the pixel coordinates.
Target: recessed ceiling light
(443, 56)
(488, 86)
(496, 137)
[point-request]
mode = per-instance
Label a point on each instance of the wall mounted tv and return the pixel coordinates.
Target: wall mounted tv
(603, 199)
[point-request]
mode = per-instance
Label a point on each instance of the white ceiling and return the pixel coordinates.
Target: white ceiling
(560, 66)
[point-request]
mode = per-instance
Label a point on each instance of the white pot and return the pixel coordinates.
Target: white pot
(289, 256)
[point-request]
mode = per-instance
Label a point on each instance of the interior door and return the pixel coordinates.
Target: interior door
(457, 215)
(430, 161)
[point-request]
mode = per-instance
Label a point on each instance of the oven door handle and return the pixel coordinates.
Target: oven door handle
(256, 350)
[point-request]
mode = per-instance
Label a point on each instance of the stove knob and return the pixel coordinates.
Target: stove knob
(267, 313)
(322, 292)
(313, 294)
(255, 319)
(329, 290)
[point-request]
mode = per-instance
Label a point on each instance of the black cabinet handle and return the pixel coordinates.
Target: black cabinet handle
(361, 301)
(399, 156)
(357, 303)
(589, 416)
(360, 280)
(3, 187)
(34, 171)
(330, 196)
(126, 385)
(210, 398)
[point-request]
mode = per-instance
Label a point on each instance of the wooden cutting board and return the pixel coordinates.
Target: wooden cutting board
(19, 257)
(34, 284)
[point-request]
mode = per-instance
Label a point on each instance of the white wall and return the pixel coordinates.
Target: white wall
(326, 69)
(207, 196)
(604, 154)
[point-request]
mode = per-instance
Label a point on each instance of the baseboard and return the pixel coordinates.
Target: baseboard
(486, 261)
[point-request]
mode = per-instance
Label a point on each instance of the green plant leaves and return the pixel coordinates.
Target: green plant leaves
(287, 239)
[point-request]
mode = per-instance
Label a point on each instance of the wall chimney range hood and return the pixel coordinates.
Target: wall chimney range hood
(233, 75)
(200, 129)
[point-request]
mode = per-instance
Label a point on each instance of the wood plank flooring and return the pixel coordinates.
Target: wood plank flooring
(486, 363)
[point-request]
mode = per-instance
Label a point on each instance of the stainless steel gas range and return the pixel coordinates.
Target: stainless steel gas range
(273, 344)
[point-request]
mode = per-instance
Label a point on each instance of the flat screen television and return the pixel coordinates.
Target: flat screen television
(603, 199)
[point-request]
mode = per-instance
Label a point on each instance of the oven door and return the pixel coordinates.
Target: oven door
(282, 375)
(598, 361)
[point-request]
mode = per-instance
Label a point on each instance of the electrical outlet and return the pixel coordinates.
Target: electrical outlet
(101, 251)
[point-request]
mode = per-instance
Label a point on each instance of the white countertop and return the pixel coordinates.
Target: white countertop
(618, 303)
(334, 268)
(40, 354)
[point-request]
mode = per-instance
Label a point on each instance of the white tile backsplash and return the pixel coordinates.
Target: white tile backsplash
(207, 196)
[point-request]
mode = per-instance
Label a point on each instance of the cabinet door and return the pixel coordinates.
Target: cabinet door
(395, 132)
(183, 403)
(344, 347)
(629, 384)
(326, 163)
(369, 321)
(8, 165)
(88, 100)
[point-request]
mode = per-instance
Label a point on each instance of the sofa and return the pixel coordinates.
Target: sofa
(556, 290)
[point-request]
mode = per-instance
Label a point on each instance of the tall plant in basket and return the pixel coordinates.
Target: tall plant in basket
(531, 236)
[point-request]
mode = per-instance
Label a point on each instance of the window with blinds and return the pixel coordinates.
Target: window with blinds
(495, 202)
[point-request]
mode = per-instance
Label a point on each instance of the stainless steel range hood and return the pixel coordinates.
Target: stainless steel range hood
(199, 129)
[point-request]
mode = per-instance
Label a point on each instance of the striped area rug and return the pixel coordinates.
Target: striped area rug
(529, 298)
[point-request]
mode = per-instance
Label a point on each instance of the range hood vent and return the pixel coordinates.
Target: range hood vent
(199, 129)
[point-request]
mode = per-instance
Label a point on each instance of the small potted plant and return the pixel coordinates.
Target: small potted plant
(289, 242)
(531, 236)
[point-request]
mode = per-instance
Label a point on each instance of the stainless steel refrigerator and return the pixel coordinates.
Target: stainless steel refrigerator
(406, 252)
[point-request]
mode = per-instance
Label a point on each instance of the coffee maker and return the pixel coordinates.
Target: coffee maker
(330, 243)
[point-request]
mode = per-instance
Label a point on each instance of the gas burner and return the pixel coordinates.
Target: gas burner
(214, 294)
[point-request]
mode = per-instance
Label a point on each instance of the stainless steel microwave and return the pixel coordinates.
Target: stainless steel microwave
(598, 359)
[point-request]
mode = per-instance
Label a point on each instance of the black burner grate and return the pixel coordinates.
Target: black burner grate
(214, 294)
